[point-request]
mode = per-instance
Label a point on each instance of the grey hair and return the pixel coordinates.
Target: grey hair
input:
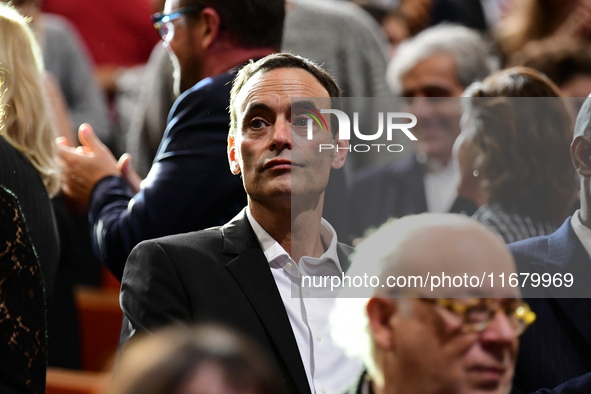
(471, 53)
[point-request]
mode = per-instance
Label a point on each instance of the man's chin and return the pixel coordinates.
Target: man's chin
(434, 151)
(484, 383)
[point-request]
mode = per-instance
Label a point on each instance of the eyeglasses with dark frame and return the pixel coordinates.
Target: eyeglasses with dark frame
(161, 20)
(477, 313)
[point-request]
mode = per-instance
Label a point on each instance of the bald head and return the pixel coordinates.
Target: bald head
(417, 345)
(434, 243)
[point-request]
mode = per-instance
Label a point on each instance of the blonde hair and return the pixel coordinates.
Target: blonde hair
(24, 118)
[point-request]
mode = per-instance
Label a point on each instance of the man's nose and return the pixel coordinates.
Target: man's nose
(281, 136)
(420, 106)
(500, 329)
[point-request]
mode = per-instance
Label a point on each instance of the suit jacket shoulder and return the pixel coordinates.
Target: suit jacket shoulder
(392, 190)
(555, 352)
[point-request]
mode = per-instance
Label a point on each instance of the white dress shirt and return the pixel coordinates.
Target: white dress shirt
(440, 186)
(328, 369)
(582, 232)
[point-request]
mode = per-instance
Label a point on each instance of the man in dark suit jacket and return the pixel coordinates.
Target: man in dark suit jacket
(189, 186)
(394, 190)
(557, 349)
(428, 65)
(249, 273)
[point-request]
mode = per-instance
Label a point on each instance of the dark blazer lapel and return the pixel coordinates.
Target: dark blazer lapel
(413, 185)
(567, 254)
(251, 271)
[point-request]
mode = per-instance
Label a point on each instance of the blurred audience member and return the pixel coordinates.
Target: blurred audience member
(148, 120)
(189, 186)
(342, 37)
(565, 60)
(28, 178)
(446, 340)
(22, 303)
(513, 154)
(66, 59)
(475, 14)
(391, 20)
(207, 359)
(119, 37)
(27, 163)
(529, 20)
(557, 350)
(349, 44)
(75, 99)
(429, 70)
(117, 34)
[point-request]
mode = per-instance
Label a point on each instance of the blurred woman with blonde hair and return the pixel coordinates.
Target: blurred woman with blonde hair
(29, 175)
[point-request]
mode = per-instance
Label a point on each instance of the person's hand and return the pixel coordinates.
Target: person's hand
(83, 167)
(128, 173)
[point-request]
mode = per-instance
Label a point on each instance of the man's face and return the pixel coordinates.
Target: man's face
(434, 346)
(184, 54)
(275, 162)
(438, 118)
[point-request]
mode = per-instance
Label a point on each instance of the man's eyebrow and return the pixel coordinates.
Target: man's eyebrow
(304, 104)
(252, 107)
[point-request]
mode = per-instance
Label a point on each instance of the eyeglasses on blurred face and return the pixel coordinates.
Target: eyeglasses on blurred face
(163, 22)
(476, 314)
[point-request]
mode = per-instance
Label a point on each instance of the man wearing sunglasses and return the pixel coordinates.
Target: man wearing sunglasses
(446, 339)
(189, 186)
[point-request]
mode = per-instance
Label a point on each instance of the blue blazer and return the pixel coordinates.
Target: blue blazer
(555, 352)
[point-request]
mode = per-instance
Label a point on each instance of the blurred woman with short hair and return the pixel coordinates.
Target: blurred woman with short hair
(513, 154)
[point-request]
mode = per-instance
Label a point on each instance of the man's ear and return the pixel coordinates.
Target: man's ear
(340, 154)
(379, 313)
(209, 27)
(580, 151)
(232, 156)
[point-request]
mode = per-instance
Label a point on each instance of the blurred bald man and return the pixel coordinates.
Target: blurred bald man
(449, 340)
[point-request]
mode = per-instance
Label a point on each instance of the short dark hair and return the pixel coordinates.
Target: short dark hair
(175, 354)
(251, 23)
(281, 60)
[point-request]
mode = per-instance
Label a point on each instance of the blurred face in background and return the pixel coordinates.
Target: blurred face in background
(180, 43)
(454, 343)
(428, 88)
